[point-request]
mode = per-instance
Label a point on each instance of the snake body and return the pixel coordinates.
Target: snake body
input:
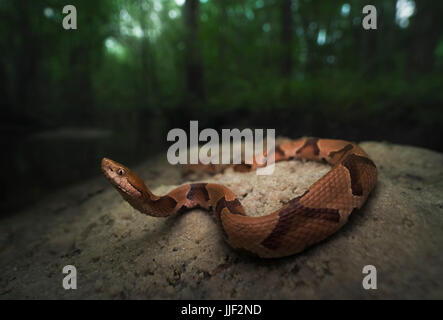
(305, 220)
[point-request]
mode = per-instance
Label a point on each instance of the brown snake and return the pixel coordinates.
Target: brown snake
(302, 222)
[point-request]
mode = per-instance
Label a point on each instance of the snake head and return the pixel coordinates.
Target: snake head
(127, 183)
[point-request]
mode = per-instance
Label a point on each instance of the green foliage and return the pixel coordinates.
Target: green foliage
(128, 60)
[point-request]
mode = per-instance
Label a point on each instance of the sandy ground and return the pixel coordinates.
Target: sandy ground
(120, 253)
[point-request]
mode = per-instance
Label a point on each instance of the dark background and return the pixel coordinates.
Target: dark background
(136, 68)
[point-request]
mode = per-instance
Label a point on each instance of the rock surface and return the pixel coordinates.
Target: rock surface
(120, 253)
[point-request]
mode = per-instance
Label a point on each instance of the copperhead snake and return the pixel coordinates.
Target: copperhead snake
(305, 220)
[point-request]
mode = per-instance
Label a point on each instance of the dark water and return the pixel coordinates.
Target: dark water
(35, 165)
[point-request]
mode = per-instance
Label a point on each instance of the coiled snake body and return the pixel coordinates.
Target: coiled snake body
(302, 222)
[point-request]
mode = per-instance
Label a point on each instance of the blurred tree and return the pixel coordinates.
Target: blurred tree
(423, 38)
(287, 37)
(194, 67)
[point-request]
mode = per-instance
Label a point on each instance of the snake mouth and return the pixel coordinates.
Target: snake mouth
(107, 166)
(110, 169)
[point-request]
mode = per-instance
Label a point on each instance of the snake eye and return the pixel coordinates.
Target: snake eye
(121, 172)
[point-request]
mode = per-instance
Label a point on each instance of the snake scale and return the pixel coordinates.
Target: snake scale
(305, 220)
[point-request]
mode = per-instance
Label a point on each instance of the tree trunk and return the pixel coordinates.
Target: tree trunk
(26, 61)
(286, 38)
(194, 67)
(222, 62)
(425, 35)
